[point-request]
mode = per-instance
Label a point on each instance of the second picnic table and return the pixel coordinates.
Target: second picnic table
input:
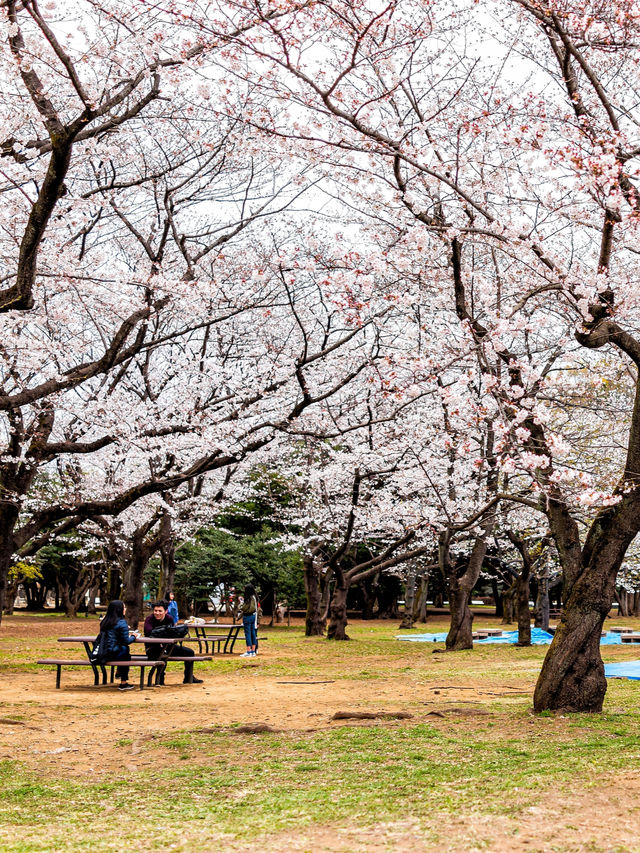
(215, 633)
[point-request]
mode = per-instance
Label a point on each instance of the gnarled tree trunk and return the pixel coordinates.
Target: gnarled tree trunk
(460, 634)
(338, 612)
(572, 676)
(315, 620)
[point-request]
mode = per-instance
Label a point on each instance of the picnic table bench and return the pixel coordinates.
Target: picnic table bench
(156, 667)
(630, 638)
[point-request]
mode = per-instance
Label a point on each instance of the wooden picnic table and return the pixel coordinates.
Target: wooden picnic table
(142, 662)
(215, 633)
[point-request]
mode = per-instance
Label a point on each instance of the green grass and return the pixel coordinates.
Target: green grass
(196, 791)
(243, 788)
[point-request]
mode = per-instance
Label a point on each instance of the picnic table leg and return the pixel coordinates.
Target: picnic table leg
(199, 639)
(142, 669)
(96, 675)
(233, 634)
(153, 671)
(59, 668)
(104, 673)
(205, 640)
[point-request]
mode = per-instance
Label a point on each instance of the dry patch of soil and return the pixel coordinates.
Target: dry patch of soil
(83, 732)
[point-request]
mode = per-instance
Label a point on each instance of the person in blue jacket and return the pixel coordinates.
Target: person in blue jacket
(172, 608)
(118, 639)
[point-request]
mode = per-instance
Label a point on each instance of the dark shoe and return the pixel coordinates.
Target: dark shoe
(126, 687)
(194, 680)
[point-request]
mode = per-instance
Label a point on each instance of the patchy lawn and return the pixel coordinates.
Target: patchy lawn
(432, 752)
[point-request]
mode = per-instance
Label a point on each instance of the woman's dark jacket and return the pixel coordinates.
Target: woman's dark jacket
(118, 638)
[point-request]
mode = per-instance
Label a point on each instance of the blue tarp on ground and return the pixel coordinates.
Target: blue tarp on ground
(538, 638)
(624, 669)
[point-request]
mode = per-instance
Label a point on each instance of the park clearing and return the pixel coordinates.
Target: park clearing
(368, 745)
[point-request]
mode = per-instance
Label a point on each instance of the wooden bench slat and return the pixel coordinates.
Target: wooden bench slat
(142, 664)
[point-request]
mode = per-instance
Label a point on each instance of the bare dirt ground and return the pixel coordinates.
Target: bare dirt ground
(55, 730)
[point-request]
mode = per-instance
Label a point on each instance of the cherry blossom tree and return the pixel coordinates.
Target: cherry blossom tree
(527, 173)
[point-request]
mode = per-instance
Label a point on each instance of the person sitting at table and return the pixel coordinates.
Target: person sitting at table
(118, 639)
(172, 608)
(159, 618)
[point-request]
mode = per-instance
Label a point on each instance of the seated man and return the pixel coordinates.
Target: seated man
(159, 617)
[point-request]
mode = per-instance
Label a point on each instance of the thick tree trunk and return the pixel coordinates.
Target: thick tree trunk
(572, 676)
(621, 598)
(522, 590)
(409, 598)
(368, 589)
(10, 597)
(94, 592)
(338, 613)
(133, 587)
(422, 593)
(8, 519)
(325, 584)
(524, 616)
(114, 582)
(65, 598)
(497, 598)
(508, 604)
(636, 603)
(460, 634)
(542, 603)
(167, 556)
(314, 622)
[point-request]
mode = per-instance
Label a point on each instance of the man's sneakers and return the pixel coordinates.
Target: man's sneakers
(126, 686)
(194, 680)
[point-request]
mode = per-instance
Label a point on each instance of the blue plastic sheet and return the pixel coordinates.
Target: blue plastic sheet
(624, 669)
(538, 638)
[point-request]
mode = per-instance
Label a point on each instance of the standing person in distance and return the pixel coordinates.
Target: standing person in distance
(249, 612)
(117, 639)
(172, 608)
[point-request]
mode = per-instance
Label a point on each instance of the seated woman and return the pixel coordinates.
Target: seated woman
(118, 639)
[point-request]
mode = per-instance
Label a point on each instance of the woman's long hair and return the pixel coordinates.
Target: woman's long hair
(115, 612)
(249, 590)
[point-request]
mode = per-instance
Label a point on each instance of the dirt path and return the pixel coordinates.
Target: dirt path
(82, 731)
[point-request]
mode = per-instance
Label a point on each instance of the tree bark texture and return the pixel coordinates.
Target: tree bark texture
(314, 622)
(508, 603)
(133, 583)
(541, 619)
(338, 613)
(409, 598)
(422, 594)
(497, 598)
(572, 676)
(460, 634)
(524, 615)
